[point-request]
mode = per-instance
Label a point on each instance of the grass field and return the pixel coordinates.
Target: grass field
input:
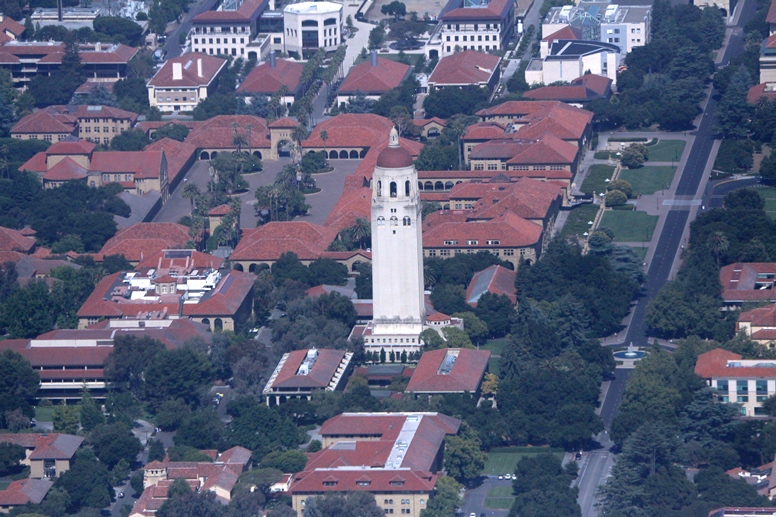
(629, 226)
(576, 224)
(494, 365)
(44, 413)
(648, 179)
(595, 181)
(412, 58)
(495, 345)
(769, 194)
(503, 460)
(640, 251)
(499, 498)
(666, 150)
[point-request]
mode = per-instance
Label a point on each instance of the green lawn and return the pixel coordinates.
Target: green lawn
(666, 150)
(494, 365)
(412, 58)
(595, 181)
(629, 226)
(44, 413)
(576, 224)
(648, 179)
(495, 345)
(499, 498)
(503, 460)
(769, 194)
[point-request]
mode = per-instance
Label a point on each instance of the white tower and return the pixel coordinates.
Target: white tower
(397, 251)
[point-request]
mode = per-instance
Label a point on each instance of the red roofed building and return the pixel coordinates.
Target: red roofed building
(180, 157)
(301, 373)
(216, 135)
(431, 127)
(269, 77)
(229, 32)
(509, 236)
(394, 456)
(48, 455)
(351, 135)
(145, 239)
(265, 244)
(372, 78)
(748, 282)
(15, 240)
(467, 68)
(583, 89)
(759, 324)
(97, 124)
(449, 370)
(490, 23)
(64, 170)
(105, 63)
(747, 382)
(494, 279)
(50, 125)
(184, 81)
(139, 172)
(10, 29)
(24, 491)
(760, 91)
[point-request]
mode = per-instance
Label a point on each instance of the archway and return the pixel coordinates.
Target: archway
(206, 321)
(354, 155)
(362, 153)
(428, 186)
(354, 267)
(218, 324)
(420, 185)
(432, 133)
(204, 155)
(252, 268)
(449, 185)
(237, 267)
(213, 155)
(257, 154)
(253, 56)
(284, 149)
(343, 155)
(433, 54)
(439, 185)
(333, 155)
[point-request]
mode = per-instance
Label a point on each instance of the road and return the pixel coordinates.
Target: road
(599, 463)
(715, 195)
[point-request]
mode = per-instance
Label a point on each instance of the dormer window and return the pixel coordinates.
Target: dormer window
(329, 483)
(363, 482)
(397, 483)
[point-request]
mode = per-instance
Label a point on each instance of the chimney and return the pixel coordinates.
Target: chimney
(199, 67)
(2, 17)
(374, 58)
(177, 71)
(98, 46)
(272, 62)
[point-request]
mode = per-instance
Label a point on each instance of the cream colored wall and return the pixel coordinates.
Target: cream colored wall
(380, 498)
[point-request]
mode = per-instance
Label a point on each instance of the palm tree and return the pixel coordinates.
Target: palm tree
(718, 244)
(190, 192)
(298, 134)
(458, 125)
(361, 232)
(429, 279)
(324, 137)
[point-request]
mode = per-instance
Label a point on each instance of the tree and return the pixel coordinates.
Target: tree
(497, 311)
(155, 450)
(192, 193)
(200, 430)
(128, 360)
(285, 461)
(490, 384)
(288, 267)
(733, 110)
(463, 458)
(177, 132)
(113, 443)
(621, 185)
(179, 373)
(90, 414)
(88, 482)
(121, 30)
(633, 157)
(360, 232)
(130, 140)
(446, 102)
(475, 328)
(66, 419)
(192, 504)
(18, 384)
(616, 198)
(444, 500)
(456, 338)
(376, 37)
(396, 9)
(747, 199)
(10, 455)
(449, 298)
(718, 244)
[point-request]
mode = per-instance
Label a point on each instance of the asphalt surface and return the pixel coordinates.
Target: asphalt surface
(715, 196)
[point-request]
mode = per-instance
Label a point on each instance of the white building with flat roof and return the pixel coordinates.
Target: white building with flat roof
(312, 25)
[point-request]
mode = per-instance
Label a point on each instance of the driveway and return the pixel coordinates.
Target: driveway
(474, 498)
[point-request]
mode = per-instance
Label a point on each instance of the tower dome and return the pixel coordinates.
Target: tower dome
(394, 156)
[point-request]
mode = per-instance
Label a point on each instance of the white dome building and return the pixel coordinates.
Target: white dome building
(312, 25)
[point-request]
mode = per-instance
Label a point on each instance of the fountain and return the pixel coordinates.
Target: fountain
(631, 353)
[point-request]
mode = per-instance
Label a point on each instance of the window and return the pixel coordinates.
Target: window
(404, 501)
(479, 38)
(456, 38)
(407, 221)
(381, 221)
(422, 502)
(742, 398)
(493, 242)
(722, 385)
(444, 253)
(394, 221)
(492, 166)
(47, 138)
(387, 501)
(96, 129)
(451, 243)
(432, 253)
(448, 38)
(761, 387)
(393, 189)
(379, 188)
(329, 483)
(471, 243)
(762, 398)
(760, 411)
(509, 253)
(742, 386)
(407, 188)
(406, 511)
(218, 40)
(478, 167)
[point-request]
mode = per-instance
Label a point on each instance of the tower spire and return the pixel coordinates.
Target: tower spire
(393, 140)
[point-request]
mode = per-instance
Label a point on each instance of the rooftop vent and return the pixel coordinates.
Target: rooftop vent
(308, 363)
(447, 363)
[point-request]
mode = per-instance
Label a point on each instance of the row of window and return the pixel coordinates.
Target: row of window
(446, 253)
(105, 129)
(471, 47)
(390, 341)
(96, 140)
(106, 178)
(216, 30)
(479, 38)
(476, 26)
(390, 501)
(218, 41)
(101, 120)
(217, 52)
(489, 242)
(394, 221)
(404, 511)
(742, 386)
(177, 99)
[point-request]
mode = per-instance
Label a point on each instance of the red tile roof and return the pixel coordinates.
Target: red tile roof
(47, 120)
(71, 147)
(467, 67)
(268, 242)
(741, 282)
(368, 79)
(144, 239)
(512, 231)
(66, 170)
(249, 10)
(267, 80)
(14, 240)
(218, 132)
(382, 481)
(566, 32)
(351, 130)
(465, 376)
(172, 259)
(759, 317)
(484, 131)
(211, 66)
(10, 25)
(548, 150)
(758, 91)
(422, 122)
(220, 210)
(51, 446)
(495, 279)
(23, 491)
(600, 84)
(284, 122)
(326, 364)
(494, 10)
(528, 198)
(714, 364)
(351, 205)
(178, 154)
(143, 164)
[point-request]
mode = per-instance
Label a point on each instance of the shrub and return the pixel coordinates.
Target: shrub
(616, 198)
(621, 185)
